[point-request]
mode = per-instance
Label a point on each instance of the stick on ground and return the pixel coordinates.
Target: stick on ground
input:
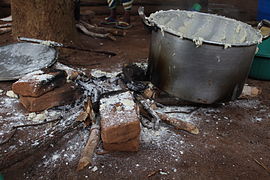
(179, 124)
(103, 30)
(88, 152)
(36, 124)
(95, 35)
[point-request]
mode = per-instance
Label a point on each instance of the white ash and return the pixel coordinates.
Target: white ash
(126, 108)
(67, 154)
(39, 117)
(37, 77)
(143, 66)
(94, 169)
(11, 94)
(245, 103)
(31, 116)
(125, 99)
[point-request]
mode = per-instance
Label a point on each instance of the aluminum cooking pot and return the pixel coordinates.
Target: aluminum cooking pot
(200, 57)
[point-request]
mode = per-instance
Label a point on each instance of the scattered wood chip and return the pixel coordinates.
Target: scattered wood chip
(88, 107)
(82, 117)
(149, 93)
(250, 91)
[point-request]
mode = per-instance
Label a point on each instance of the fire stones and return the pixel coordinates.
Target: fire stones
(120, 125)
(43, 90)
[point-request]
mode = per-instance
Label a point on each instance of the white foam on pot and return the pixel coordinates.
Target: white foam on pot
(202, 27)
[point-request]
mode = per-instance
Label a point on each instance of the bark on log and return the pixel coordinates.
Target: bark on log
(47, 19)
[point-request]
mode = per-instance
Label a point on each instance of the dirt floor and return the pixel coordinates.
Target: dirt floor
(234, 139)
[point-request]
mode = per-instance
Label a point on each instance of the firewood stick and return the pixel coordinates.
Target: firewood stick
(5, 30)
(103, 30)
(95, 35)
(5, 25)
(87, 154)
(179, 124)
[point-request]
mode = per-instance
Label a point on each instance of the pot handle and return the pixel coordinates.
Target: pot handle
(264, 22)
(149, 25)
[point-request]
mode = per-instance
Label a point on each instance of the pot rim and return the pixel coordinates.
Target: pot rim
(249, 43)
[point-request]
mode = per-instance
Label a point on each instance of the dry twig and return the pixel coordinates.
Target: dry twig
(262, 165)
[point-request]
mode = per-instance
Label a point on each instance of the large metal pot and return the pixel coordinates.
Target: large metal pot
(206, 61)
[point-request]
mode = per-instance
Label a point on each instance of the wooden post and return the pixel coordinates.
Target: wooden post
(44, 19)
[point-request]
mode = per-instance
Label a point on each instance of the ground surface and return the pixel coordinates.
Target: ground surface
(233, 135)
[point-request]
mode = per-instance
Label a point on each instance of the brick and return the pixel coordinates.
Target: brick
(65, 94)
(119, 118)
(129, 146)
(39, 82)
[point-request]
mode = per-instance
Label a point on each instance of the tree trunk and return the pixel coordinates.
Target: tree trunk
(44, 19)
